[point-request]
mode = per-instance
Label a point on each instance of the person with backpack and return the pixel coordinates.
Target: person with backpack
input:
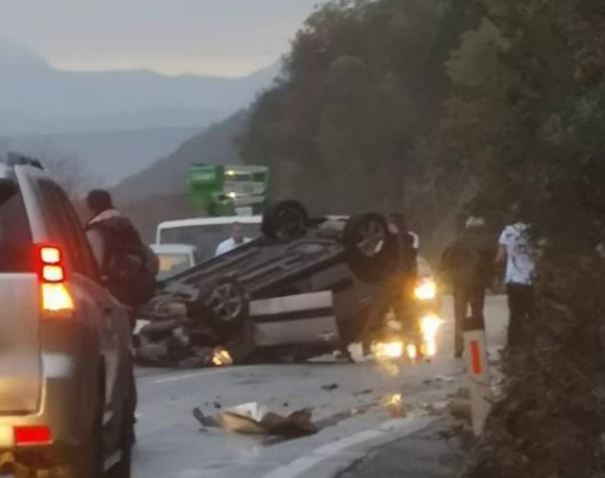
(128, 266)
(467, 265)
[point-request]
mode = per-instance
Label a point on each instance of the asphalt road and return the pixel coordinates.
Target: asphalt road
(354, 422)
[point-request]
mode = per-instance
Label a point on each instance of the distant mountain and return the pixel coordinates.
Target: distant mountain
(114, 124)
(37, 98)
(167, 176)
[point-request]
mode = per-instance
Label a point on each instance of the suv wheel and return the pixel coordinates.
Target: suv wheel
(87, 461)
(123, 468)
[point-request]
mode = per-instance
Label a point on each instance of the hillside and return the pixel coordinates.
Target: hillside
(362, 89)
(159, 192)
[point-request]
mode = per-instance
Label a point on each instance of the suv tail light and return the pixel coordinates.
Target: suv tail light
(32, 436)
(56, 298)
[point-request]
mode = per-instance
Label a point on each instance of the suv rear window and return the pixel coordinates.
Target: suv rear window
(16, 246)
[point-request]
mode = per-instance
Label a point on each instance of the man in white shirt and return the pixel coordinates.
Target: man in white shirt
(235, 240)
(516, 249)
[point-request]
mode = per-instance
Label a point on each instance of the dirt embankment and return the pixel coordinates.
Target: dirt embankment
(550, 422)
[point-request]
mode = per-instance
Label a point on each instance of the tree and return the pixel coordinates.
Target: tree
(526, 123)
(363, 82)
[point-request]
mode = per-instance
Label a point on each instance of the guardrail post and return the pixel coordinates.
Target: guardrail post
(478, 372)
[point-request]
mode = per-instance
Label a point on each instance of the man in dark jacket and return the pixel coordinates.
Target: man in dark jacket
(127, 265)
(467, 265)
(403, 282)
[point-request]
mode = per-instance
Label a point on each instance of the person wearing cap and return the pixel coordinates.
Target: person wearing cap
(467, 264)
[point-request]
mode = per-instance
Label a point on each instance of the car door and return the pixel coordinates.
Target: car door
(108, 313)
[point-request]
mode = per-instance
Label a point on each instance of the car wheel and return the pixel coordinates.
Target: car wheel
(371, 249)
(228, 304)
(285, 221)
(123, 468)
(88, 460)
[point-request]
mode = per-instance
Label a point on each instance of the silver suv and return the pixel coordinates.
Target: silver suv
(67, 392)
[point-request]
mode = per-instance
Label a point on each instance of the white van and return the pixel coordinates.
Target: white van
(205, 233)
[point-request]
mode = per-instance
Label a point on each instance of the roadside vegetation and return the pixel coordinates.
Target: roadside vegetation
(450, 107)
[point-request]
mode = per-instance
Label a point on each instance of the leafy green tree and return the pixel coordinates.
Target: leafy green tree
(525, 124)
(363, 82)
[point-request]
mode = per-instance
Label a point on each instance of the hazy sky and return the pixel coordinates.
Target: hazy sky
(220, 37)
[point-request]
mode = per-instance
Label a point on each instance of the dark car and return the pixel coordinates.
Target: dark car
(305, 283)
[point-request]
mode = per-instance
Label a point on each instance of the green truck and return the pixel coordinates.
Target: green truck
(228, 190)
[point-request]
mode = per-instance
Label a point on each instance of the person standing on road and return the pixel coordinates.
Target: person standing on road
(236, 239)
(516, 251)
(397, 292)
(468, 266)
(128, 266)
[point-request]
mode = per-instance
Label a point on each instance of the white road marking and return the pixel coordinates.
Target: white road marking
(298, 467)
(187, 376)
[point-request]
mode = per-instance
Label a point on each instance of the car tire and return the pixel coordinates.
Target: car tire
(127, 436)
(285, 221)
(228, 304)
(371, 249)
(88, 459)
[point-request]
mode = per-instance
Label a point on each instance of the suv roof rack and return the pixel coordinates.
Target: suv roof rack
(17, 159)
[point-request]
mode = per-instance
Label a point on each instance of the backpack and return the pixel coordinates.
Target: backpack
(460, 263)
(130, 267)
(469, 261)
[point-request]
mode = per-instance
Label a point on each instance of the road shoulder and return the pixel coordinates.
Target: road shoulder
(429, 453)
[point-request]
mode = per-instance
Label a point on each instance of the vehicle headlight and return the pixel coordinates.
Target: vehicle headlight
(426, 290)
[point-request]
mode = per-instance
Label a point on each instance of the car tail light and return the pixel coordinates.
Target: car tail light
(56, 298)
(32, 436)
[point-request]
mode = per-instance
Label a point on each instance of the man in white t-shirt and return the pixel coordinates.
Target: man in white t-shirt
(235, 240)
(516, 249)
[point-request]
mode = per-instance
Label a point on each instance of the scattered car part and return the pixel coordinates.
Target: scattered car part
(255, 419)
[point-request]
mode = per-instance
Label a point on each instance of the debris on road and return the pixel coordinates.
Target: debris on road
(460, 408)
(330, 387)
(395, 405)
(367, 391)
(255, 419)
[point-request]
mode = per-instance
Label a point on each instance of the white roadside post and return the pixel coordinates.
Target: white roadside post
(478, 372)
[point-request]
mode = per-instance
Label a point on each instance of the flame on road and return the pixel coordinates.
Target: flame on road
(426, 290)
(388, 350)
(387, 355)
(221, 358)
(429, 326)
(411, 351)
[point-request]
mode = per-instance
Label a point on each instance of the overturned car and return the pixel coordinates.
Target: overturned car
(307, 286)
